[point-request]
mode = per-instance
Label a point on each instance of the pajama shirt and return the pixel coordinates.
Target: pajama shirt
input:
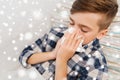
(88, 62)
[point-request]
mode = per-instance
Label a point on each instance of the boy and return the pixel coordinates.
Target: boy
(58, 54)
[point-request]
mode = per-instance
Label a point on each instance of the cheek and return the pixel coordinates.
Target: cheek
(89, 37)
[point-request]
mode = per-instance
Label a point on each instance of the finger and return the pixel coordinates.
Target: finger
(65, 38)
(79, 42)
(62, 40)
(75, 38)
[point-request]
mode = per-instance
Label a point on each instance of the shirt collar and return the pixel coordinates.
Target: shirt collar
(93, 44)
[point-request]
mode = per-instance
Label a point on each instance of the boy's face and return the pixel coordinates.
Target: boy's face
(87, 23)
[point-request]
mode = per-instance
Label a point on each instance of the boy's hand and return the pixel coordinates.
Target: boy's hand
(67, 45)
(65, 49)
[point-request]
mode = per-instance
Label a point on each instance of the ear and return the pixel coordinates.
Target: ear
(102, 33)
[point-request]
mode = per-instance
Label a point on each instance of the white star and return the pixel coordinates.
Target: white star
(38, 14)
(3, 6)
(59, 5)
(4, 52)
(64, 14)
(21, 72)
(13, 41)
(51, 78)
(87, 68)
(25, 1)
(15, 48)
(19, 2)
(30, 25)
(5, 24)
(13, 8)
(89, 55)
(9, 17)
(0, 41)
(23, 13)
(102, 66)
(9, 58)
(14, 59)
(1, 12)
(13, 23)
(94, 78)
(9, 77)
(10, 29)
(28, 36)
(32, 75)
(81, 59)
(75, 73)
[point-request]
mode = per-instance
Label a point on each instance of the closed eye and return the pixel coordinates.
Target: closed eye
(85, 31)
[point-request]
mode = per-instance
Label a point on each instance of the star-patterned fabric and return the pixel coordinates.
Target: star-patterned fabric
(88, 63)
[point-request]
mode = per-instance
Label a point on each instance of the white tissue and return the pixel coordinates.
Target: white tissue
(70, 30)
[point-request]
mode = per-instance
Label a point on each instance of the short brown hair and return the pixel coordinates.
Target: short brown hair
(107, 7)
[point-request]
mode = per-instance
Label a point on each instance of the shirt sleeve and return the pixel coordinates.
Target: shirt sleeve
(43, 44)
(37, 46)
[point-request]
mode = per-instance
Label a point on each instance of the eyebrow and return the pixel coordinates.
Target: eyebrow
(79, 24)
(71, 19)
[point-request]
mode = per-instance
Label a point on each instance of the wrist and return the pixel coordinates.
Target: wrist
(52, 55)
(61, 59)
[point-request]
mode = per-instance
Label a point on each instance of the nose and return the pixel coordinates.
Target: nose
(77, 28)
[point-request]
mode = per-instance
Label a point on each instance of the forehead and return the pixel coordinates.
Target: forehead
(88, 19)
